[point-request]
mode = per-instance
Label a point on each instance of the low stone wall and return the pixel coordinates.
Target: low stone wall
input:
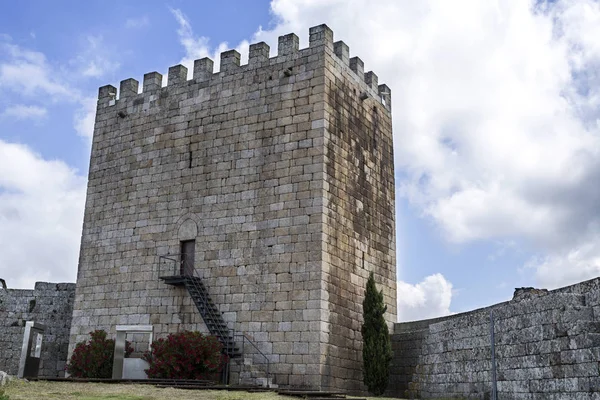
(50, 304)
(547, 347)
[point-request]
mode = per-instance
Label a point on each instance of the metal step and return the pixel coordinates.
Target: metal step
(211, 315)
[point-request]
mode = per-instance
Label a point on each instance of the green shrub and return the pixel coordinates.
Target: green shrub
(186, 355)
(94, 359)
(3, 396)
(377, 349)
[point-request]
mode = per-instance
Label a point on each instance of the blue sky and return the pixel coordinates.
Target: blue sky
(495, 105)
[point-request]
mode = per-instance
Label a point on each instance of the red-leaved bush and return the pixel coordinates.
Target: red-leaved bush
(186, 355)
(94, 359)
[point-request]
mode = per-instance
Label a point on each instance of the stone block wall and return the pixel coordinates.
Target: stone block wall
(359, 229)
(547, 347)
(407, 342)
(50, 304)
(248, 162)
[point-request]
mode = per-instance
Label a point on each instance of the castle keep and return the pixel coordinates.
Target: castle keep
(262, 195)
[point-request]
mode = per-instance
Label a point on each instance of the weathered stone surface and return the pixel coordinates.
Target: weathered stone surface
(50, 304)
(281, 170)
(547, 347)
(528, 292)
(4, 378)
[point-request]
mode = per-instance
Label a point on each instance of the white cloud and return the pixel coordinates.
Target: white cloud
(95, 60)
(27, 72)
(496, 114)
(24, 72)
(85, 117)
(41, 201)
(197, 47)
(41, 215)
(563, 268)
(21, 111)
(428, 299)
(137, 22)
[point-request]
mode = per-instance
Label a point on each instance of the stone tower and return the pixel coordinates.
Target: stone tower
(279, 174)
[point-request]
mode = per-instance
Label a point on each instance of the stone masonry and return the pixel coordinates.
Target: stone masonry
(50, 304)
(282, 172)
(547, 347)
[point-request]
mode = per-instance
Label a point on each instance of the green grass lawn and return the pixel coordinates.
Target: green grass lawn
(24, 390)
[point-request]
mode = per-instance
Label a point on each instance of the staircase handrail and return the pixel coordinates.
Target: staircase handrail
(230, 334)
(169, 257)
(245, 338)
(199, 289)
(176, 270)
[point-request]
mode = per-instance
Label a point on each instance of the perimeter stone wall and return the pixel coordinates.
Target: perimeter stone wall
(281, 170)
(547, 347)
(50, 304)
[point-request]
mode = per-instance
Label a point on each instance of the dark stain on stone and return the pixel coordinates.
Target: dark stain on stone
(360, 184)
(31, 305)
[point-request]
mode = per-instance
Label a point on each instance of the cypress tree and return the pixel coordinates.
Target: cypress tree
(377, 349)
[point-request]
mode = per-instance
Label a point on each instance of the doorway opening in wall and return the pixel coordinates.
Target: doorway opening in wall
(188, 251)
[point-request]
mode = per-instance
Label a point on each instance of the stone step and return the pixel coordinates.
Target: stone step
(253, 373)
(310, 393)
(260, 381)
(333, 397)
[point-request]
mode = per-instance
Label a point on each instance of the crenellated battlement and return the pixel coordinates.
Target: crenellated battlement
(320, 39)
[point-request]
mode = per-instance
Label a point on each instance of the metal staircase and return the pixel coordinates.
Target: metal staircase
(183, 275)
(213, 318)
